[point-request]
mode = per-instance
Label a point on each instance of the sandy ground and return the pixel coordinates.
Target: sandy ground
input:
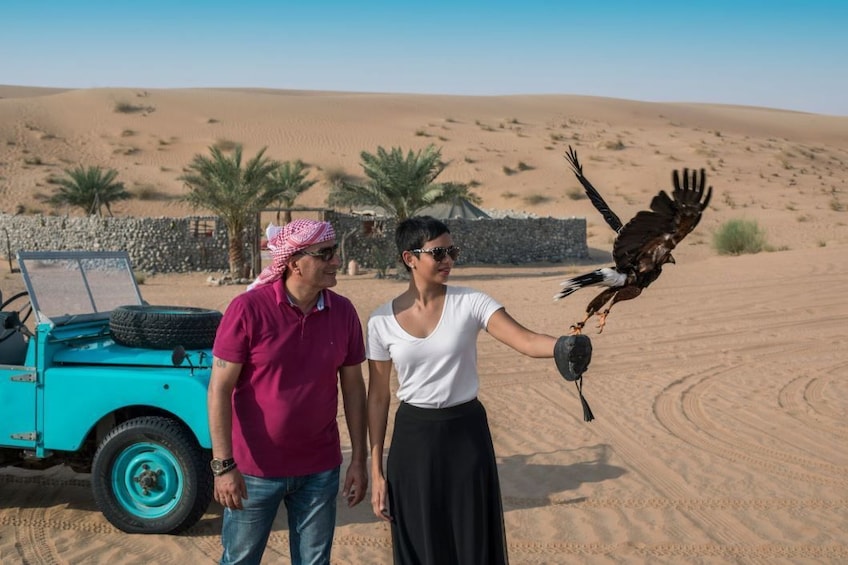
(720, 394)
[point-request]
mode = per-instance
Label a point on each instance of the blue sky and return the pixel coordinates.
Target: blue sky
(778, 54)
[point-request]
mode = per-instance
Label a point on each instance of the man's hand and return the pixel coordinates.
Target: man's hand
(355, 484)
(230, 489)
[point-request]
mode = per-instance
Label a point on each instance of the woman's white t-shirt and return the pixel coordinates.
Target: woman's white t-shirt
(439, 370)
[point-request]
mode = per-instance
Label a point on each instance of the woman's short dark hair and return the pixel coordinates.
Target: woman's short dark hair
(414, 232)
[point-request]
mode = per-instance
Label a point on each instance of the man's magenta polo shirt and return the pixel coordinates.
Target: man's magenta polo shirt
(285, 402)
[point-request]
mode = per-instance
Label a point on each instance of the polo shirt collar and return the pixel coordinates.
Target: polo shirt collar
(280, 291)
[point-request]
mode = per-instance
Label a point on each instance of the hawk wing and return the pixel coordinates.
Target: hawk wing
(647, 240)
(611, 218)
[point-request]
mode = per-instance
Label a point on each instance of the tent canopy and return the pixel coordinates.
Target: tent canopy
(443, 211)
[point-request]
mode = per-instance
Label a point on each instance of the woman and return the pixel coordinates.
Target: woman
(441, 491)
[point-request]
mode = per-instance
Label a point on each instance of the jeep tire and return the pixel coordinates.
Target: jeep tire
(150, 476)
(164, 327)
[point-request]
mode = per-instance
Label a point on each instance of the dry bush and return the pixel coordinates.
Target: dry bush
(536, 199)
(225, 144)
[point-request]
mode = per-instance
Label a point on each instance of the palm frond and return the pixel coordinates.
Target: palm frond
(401, 183)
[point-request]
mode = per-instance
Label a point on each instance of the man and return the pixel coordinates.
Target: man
(280, 352)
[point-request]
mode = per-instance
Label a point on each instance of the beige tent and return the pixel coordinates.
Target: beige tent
(444, 211)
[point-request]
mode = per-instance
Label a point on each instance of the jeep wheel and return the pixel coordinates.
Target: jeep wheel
(164, 327)
(150, 476)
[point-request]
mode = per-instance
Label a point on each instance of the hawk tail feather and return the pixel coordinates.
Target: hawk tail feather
(604, 277)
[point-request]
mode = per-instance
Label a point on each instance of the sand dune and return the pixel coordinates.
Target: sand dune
(785, 169)
(720, 394)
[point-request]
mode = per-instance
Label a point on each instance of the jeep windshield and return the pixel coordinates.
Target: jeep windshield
(66, 286)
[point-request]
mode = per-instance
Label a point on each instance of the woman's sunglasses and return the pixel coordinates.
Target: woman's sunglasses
(439, 253)
(326, 254)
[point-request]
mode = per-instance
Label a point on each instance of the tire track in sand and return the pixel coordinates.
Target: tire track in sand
(752, 553)
(807, 395)
(680, 410)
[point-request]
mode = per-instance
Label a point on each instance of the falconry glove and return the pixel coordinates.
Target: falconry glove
(572, 354)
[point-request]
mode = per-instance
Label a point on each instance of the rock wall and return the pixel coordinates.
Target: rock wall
(505, 241)
(199, 243)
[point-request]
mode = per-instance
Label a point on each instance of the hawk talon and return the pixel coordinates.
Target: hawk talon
(602, 321)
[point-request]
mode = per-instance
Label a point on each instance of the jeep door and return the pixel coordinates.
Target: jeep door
(17, 404)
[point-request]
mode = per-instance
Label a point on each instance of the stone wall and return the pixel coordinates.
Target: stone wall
(155, 245)
(506, 241)
(199, 243)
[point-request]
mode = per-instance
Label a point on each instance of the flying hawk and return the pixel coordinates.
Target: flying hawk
(643, 245)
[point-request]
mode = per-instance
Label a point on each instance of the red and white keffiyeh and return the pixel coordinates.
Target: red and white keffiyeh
(285, 241)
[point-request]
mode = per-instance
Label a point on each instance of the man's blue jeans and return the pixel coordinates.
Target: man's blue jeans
(311, 507)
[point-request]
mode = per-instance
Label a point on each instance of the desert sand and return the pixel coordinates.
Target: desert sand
(720, 394)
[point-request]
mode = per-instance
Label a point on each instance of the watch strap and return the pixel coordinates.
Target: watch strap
(223, 466)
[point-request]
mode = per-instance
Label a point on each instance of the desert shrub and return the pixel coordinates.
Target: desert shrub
(226, 144)
(336, 176)
(21, 209)
(149, 192)
(124, 107)
(575, 193)
(738, 237)
(536, 199)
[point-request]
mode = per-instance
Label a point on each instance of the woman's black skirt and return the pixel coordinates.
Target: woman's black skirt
(443, 488)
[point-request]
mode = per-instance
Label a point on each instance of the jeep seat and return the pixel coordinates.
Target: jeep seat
(13, 344)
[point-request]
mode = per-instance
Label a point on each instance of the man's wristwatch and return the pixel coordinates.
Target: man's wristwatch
(222, 466)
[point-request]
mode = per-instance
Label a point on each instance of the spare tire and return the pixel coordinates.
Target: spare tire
(164, 327)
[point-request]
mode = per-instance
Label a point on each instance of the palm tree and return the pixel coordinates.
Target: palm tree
(291, 178)
(89, 188)
(233, 191)
(402, 185)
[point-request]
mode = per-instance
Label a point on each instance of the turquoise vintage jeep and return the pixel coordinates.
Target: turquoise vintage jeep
(108, 385)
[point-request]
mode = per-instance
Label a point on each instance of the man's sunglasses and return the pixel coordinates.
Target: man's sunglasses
(439, 253)
(326, 254)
